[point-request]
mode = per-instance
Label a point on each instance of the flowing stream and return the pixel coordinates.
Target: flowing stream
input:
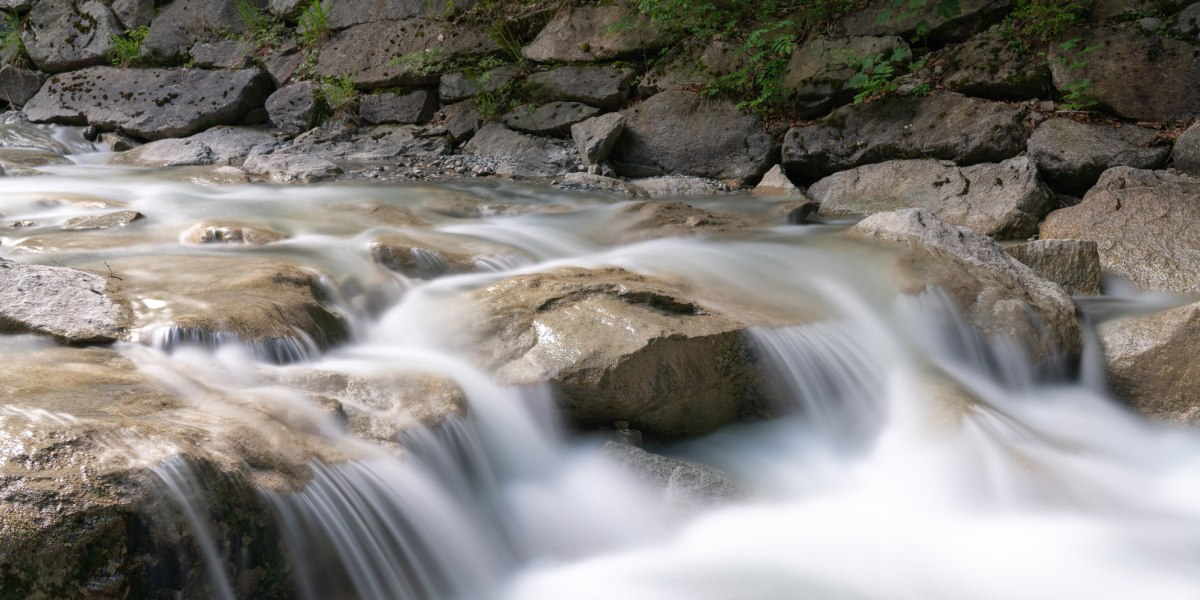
(917, 460)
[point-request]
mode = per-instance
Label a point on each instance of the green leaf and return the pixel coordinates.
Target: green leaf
(858, 81)
(948, 9)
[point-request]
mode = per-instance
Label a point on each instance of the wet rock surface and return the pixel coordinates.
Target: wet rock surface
(72, 306)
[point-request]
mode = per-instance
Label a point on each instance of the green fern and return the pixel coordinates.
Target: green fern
(125, 50)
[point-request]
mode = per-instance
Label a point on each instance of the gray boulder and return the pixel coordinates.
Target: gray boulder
(681, 484)
(17, 6)
(1151, 362)
(595, 32)
(883, 18)
(294, 108)
(417, 106)
(282, 63)
(18, 85)
(182, 23)
(1071, 155)
(149, 103)
(1073, 264)
(987, 66)
(133, 13)
(62, 35)
(817, 72)
(519, 154)
(945, 126)
(690, 65)
(1002, 200)
(1186, 153)
(337, 141)
(682, 133)
(225, 54)
(231, 145)
(71, 306)
(670, 368)
(595, 137)
(776, 183)
(461, 121)
(456, 87)
(290, 9)
(167, 153)
(552, 119)
(605, 86)
(992, 290)
(407, 52)
(349, 14)
(289, 168)
(1123, 57)
(1187, 22)
(1146, 224)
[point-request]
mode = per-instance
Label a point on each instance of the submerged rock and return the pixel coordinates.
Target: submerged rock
(649, 220)
(681, 484)
(231, 233)
(120, 218)
(73, 307)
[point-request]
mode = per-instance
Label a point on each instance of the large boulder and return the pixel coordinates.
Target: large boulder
(619, 347)
(903, 19)
(1003, 200)
(382, 54)
(604, 86)
(133, 13)
(184, 22)
(294, 108)
(349, 14)
(62, 35)
(551, 119)
(18, 85)
(680, 484)
(225, 54)
(172, 152)
(681, 132)
(417, 106)
(1152, 363)
(340, 142)
(946, 126)
(1146, 223)
(595, 32)
(1073, 264)
(992, 290)
(149, 103)
(595, 137)
(1071, 155)
(987, 66)
(73, 307)
(1122, 56)
(818, 70)
(519, 154)
(458, 86)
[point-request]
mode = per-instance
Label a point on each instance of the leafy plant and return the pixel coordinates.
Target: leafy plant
(877, 73)
(1076, 95)
(765, 53)
(262, 28)
(314, 23)
(126, 49)
(904, 11)
(1042, 20)
(12, 47)
(339, 94)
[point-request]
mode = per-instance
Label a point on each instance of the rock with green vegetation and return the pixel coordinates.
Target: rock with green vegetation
(150, 104)
(988, 66)
(1002, 200)
(62, 35)
(382, 54)
(682, 485)
(1151, 362)
(604, 86)
(944, 125)
(1071, 155)
(182, 23)
(885, 18)
(295, 107)
(1073, 264)
(992, 290)
(1120, 57)
(552, 119)
(619, 347)
(133, 13)
(225, 54)
(343, 14)
(817, 72)
(71, 306)
(291, 168)
(595, 32)
(417, 106)
(595, 137)
(18, 85)
(519, 154)
(1186, 152)
(1146, 224)
(1103, 10)
(684, 133)
(456, 87)
(690, 65)
(167, 153)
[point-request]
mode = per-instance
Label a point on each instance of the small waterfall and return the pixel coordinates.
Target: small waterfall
(184, 492)
(280, 351)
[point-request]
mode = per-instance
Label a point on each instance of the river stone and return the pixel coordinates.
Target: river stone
(414, 259)
(388, 53)
(677, 186)
(1124, 56)
(63, 35)
(618, 347)
(591, 182)
(348, 14)
(1186, 153)
(71, 306)
(294, 108)
(943, 125)
(225, 54)
(992, 290)
(182, 23)
(988, 67)
(681, 484)
(1003, 200)
(883, 18)
(461, 120)
(231, 145)
(21, 161)
(133, 13)
(230, 233)
(18, 85)
(1071, 155)
(1146, 223)
(818, 70)
(776, 183)
(288, 168)
(604, 86)
(553, 119)
(520, 154)
(1073, 264)
(167, 153)
(149, 103)
(119, 218)
(595, 32)
(595, 137)
(1151, 362)
(455, 87)
(680, 132)
(288, 10)
(416, 106)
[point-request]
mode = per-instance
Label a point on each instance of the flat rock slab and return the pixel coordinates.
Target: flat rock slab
(552, 119)
(71, 306)
(1071, 155)
(60, 36)
(1145, 223)
(403, 52)
(605, 86)
(151, 104)
(1003, 200)
(945, 126)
